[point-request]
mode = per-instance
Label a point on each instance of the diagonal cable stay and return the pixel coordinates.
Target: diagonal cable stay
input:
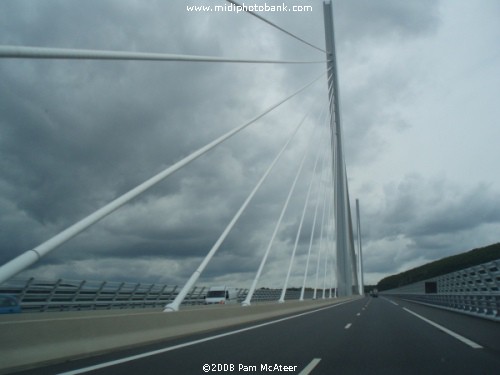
(174, 306)
(245, 8)
(29, 257)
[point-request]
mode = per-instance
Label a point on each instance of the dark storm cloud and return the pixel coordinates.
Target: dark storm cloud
(76, 134)
(460, 211)
(418, 207)
(428, 219)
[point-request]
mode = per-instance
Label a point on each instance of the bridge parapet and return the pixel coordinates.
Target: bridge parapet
(474, 290)
(63, 295)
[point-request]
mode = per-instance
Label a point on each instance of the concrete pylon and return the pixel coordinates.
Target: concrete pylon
(347, 279)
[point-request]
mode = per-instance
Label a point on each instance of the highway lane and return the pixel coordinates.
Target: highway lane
(366, 336)
(482, 330)
(386, 339)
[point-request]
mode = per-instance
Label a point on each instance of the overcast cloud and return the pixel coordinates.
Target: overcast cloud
(419, 86)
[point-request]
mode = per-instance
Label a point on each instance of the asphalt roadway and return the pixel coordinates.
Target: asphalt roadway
(365, 336)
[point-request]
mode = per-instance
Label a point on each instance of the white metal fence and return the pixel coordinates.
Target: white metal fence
(42, 295)
(474, 290)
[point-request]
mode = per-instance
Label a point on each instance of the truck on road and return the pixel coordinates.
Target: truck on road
(221, 295)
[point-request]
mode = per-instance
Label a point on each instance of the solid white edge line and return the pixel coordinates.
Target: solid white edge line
(190, 343)
(307, 370)
(465, 340)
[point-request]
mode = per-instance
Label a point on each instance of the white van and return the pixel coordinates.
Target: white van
(221, 295)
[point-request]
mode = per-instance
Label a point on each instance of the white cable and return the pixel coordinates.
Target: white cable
(175, 304)
(31, 256)
(244, 8)
(249, 296)
(84, 54)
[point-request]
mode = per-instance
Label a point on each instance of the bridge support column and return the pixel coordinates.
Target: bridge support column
(360, 251)
(346, 273)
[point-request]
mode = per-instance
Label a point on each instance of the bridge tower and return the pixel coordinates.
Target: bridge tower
(347, 278)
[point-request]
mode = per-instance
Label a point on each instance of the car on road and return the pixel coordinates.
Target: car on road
(9, 304)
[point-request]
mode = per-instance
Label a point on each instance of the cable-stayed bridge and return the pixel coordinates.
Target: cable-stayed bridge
(332, 202)
(302, 341)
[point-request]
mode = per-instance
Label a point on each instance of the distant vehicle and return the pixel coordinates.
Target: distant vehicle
(9, 304)
(221, 295)
(374, 292)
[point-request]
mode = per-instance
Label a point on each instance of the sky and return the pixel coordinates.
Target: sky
(419, 88)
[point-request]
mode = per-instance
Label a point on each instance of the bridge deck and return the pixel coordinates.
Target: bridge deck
(36, 338)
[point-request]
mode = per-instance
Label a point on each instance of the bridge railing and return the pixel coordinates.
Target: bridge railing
(473, 290)
(481, 305)
(48, 295)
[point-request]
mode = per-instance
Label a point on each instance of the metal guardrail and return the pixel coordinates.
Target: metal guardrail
(62, 295)
(43, 295)
(474, 290)
(480, 305)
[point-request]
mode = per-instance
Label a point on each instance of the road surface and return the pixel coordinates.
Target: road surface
(365, 336)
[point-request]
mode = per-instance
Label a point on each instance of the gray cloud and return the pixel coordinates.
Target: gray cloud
(423, 219)
(365, 19)
(76, 134)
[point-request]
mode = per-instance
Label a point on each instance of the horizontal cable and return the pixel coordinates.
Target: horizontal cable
(83, 54)
(245, 8)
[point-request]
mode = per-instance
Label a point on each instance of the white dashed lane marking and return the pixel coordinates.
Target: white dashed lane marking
(307, 370)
